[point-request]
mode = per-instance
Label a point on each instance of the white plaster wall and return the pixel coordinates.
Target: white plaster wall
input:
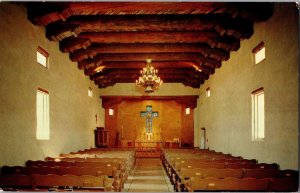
(226, 115)
(72, 112)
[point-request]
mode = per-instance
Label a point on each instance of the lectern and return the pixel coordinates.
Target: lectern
(101, 137)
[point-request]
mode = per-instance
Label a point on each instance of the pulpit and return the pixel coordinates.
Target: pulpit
(101, 137)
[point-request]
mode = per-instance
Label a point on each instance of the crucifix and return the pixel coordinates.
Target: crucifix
(149, 114)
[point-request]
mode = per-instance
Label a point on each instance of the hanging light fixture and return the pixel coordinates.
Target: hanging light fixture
(148, 78)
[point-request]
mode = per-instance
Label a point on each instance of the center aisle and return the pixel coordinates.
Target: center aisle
(148, 176)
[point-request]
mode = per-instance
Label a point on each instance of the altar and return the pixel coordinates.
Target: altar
(146, 140)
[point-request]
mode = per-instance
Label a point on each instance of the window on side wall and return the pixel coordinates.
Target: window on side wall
(208, 92)
(259, 53)
(90, 92)
(258, 115)
(42, 115)
(42, 57)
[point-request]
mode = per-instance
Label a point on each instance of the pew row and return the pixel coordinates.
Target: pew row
(183, 166)
(54, 182)
(110, 172)
(195, 184)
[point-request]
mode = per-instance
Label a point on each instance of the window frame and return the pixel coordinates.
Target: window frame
(42, 119)
(256, 50)
(256, 129)
(44, 53)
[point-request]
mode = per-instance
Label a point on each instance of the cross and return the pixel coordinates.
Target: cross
(149, 114)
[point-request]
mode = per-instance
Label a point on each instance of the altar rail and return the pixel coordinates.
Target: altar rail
(150, 144)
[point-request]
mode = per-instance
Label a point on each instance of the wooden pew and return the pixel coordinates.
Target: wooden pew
(97, 181)
(73, 170)
(28, 170)
(111, 167)
(95, 171)
(118, 163)
(116, 168)
(261, 173)
(284, 185)
(192, 164)
(252, 165)
(71, 182)
(240, 165)
(268, 166)
(227, 184)
(289, 174)
(15, 182)
(187, 173)
(81, 163)
(54, 180)
(39, 163)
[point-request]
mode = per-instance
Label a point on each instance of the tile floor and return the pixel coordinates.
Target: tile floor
(148, 176)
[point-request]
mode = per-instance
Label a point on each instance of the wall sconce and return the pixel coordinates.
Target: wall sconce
(187, 111)
(110, 112)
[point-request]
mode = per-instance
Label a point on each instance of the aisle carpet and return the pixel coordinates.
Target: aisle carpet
(148, 176)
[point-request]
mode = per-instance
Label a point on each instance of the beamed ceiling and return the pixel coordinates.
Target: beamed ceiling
(186, 41)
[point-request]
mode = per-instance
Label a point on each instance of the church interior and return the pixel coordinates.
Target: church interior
(149, 96)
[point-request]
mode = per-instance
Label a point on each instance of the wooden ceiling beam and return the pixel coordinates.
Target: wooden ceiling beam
(237, 27)
(45, 13)
(130, 23)
(140, 65)
(151, 37)
(69, 45)
(254, 11)
(68, 9)
(111, 82)
(227, 43)
(58, 32)
(166, 79)
(95, 49)
(189, 57)
(187, 100)
(205, 37)
(135, 73)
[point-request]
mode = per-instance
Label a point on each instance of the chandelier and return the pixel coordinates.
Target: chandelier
(148, 78)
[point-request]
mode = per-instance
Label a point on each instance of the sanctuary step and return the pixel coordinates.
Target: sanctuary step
(148, 153)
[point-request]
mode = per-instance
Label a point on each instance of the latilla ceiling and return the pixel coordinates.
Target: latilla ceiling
(186, 41)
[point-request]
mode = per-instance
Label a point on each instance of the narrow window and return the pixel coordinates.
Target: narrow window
(207, 92)
(111, 112)
(42, 115)
(259, 53)
(187, 111)
(42, 57)
(258, 115)
(90, 92)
